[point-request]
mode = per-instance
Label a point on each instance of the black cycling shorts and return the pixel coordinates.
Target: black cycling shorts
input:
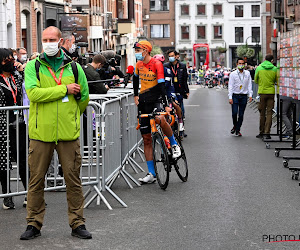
(147, 108)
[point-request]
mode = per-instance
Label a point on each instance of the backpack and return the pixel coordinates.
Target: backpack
(73, 64)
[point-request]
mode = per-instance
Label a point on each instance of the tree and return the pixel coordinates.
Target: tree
(244, 51)
(156, 50)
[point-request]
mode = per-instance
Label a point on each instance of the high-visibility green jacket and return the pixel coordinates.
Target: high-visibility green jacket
(50, 118)
(266, 77)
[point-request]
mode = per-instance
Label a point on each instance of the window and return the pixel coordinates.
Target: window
(218, 32)
(201, 32)
(256, 34)
(201, 10)
(239, 10)
(185, 10)
(239, 34)
(185, 32)
(217, 9)
(122, 9)
(160, 31)
(255, 9)
(159, 5)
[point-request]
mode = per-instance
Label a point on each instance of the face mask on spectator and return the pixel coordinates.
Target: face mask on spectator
(72, 49)
(172, 59)
(8, 67)
(241, 66)
(51, 49)
(23, 58)
(16, 57)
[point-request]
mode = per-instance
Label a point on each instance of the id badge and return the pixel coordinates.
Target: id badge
(65, 99)
(175, 79)
(16, 111)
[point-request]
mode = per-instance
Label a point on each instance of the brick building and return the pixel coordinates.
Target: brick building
(286, 14)
(159, 22)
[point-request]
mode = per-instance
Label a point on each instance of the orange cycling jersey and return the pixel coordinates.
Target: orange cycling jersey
(150, 74)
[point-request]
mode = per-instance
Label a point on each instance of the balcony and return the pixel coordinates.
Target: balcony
(125, 28)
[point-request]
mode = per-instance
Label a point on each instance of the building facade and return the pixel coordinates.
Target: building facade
(212, 30)
(7, 24)
(159, 23)
(286, 15)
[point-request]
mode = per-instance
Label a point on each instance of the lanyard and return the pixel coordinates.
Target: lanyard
(58, 81)
(11, 89)
(175, 73)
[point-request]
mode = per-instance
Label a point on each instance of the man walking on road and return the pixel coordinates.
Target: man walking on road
(239, 88)
(266, 77)
(54, 123)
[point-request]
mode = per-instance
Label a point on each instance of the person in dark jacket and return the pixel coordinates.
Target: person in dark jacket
(68, 44)
(10, 95)
(179, 77)
(91, 73)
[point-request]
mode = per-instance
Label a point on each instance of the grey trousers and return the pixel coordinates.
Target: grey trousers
(287, 114)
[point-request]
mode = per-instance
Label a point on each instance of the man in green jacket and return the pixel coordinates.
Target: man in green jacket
(54, 123)
(266, 77)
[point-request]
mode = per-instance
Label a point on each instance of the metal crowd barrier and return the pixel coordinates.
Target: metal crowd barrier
(108, 143)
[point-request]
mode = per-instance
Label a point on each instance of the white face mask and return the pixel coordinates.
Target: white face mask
(16, 58)
(23, 58)
(72, 49)
(51, 49)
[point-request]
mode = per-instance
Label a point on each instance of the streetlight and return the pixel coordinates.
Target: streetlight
(256, 47)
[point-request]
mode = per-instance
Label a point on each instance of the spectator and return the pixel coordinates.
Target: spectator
(22, 55)
(10, 95)
(92, 74)
(68, 44)
(266, 77)
(53, 108)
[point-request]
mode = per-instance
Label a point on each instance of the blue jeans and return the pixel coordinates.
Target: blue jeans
(238, 107)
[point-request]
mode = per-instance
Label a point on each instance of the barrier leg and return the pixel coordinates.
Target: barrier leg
(129, 176)
(131, 165)
(115, 196)
(126, 180)
(130, 159)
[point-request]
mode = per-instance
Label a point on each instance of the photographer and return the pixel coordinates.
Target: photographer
(91, 73)
(110, 70)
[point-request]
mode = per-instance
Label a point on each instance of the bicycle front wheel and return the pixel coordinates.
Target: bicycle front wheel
(161, 160)
(180, 164)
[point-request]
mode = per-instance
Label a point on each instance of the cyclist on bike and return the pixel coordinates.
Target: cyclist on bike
(171, 94)
(150, 73)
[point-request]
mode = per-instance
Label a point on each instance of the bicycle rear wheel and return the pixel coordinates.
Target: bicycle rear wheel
(180, 163)
(161, 160)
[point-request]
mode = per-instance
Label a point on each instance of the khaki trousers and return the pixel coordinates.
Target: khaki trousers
(266, 104)
(39, 158)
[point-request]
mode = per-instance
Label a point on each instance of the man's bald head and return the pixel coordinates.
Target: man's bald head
(51, 34)
(53, 29)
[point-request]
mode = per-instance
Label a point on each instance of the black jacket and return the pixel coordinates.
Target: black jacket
(93, 75)
(181, 86)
